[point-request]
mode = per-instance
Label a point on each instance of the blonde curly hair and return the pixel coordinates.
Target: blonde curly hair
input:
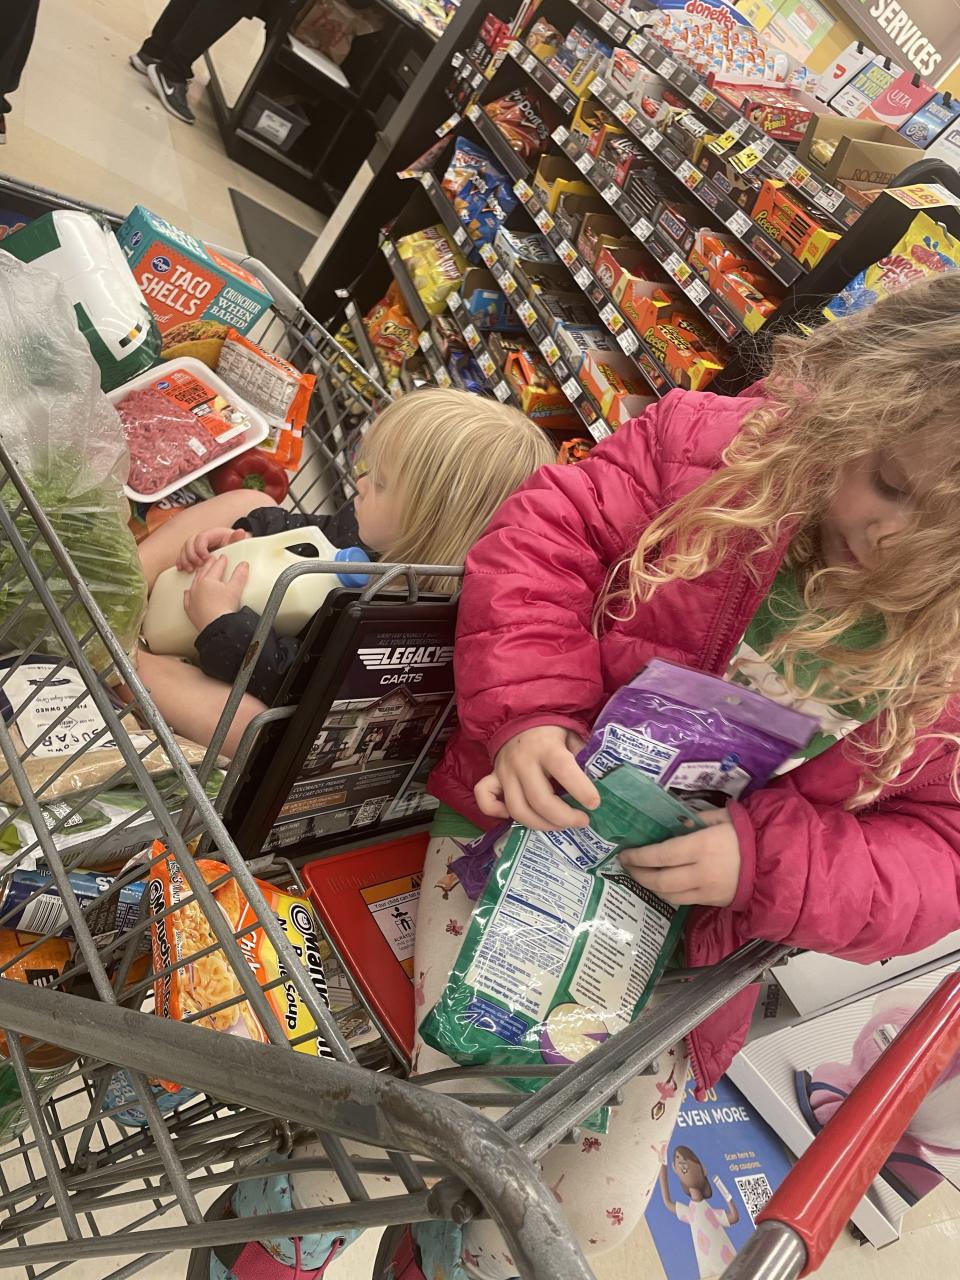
(883, 379)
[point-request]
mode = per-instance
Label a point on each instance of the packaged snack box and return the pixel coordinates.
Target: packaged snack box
(612, 263)
(642, 301)
(540, 397)
(597, 231)
(609, 376)
(575, 340)
(786, 221)
(193, 291)
(523, 246)
(555, 177)
(571, 211)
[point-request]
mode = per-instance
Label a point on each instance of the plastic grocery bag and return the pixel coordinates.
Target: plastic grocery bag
(67, 443)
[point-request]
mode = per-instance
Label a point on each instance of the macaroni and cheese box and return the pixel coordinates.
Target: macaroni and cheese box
(193, 291)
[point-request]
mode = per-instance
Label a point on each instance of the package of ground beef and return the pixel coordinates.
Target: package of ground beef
(168, 442)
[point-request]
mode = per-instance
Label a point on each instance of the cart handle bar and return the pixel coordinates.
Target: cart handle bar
(806, 1215)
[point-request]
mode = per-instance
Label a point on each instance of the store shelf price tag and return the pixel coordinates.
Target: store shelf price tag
(628, 342)
(451, 122)
(799, 175)
(461, 237)
(696, 290)
(472, 337)
(487, 254)
(584, 163)
(556, 91)
(652, 139)
(702, 97)
(507, 283)
(486, 363)
(567, 252)
(524, 190)
(473, 112)
(624, 112)
(720, 146)
(572, 389)
(787, 167)
(600, 430)
(611, 317)
(746, 159)
(606, 20)
(426, 342)
(502, 392)
(738, 222)
(642, 229)
(456, 60)
(583, 278)
(561, 134)
(477, 80)
(611, 193)
(441, 377)
(544, 221)
(454, 301)
(689, 176)
(666, 68)
(526, 313)
(677, 268)
(551, 352)
(597, 85)
(829, 198)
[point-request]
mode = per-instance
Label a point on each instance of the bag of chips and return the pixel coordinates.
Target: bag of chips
(479, 190)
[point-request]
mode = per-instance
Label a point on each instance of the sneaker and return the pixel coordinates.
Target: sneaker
(172, 93)
(140, 61)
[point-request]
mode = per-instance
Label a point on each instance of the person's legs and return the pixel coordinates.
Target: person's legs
(602, 1181)
(194, 25)
(16, 38)
(192, 703)
(159, 550)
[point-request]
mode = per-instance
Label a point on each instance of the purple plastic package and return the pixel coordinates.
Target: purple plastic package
(704, 739)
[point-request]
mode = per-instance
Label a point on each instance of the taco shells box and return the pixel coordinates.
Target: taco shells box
(193, 292)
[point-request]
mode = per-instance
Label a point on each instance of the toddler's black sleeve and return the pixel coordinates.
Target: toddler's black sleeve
(340, 528)
(222, 644)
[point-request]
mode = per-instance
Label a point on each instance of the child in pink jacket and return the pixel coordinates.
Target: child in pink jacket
(804, 537)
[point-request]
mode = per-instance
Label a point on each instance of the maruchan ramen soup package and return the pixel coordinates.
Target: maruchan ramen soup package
(924, 249)
(563, 947)
(209, 981)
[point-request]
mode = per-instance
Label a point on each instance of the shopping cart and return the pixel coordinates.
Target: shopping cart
(96, 1161)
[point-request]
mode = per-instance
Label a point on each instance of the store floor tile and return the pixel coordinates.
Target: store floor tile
(86, 124)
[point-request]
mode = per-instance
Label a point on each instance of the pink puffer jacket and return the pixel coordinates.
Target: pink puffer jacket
(882, 882)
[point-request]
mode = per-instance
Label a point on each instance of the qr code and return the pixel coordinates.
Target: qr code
(369, 811)
(755, 1191)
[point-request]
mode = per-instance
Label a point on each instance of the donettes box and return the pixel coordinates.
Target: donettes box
(191, 289)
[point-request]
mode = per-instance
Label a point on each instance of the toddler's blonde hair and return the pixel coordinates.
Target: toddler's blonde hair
(453, 457)
(884, 378)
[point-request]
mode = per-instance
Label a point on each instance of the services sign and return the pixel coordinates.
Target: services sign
(922, 35)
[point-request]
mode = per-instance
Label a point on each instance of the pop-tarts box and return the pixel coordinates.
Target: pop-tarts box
(193, 291)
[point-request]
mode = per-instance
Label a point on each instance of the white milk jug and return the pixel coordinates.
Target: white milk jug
(167, 629)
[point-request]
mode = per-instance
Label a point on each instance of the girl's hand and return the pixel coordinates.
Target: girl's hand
(211, 594)
(198, 549)
(521, 785)
(701, 869)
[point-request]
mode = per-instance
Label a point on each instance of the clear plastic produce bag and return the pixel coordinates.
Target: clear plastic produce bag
(68, 444)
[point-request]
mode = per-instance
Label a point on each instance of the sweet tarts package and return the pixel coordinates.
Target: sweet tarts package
(564, 948)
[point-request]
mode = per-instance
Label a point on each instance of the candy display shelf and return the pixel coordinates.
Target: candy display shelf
(768, 253)
(544, 78)
(726, 322)
(492, 373)
(539, 331)
(417, 311)
(492, 138)
(446, 212)
(776, 159)
(627, 335)
(616, 25)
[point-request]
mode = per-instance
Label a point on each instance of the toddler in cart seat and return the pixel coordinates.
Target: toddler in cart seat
(804, 536)
(434, 467)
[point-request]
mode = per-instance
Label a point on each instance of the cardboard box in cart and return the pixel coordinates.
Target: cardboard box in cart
(866, 151)
(191, 289)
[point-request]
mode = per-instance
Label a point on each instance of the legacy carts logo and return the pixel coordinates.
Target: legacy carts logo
(398, 663)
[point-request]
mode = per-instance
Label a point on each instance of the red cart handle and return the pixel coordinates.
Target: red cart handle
(821, 1191)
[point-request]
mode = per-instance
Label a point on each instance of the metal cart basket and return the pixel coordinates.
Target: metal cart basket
(86, 1140)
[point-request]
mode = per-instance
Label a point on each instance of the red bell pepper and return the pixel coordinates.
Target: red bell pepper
(251, 470)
